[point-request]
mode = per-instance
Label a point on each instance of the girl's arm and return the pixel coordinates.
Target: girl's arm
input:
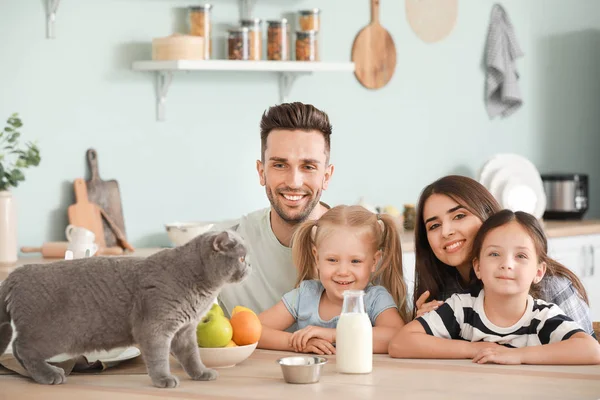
(413, 342)
(386, 326)
(580, 348)
(275, 321)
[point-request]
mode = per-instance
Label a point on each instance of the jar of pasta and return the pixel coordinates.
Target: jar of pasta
(307, 48)
(309, 20)
(254, 26)
(238, 43)
(200, 25)
(278, 40)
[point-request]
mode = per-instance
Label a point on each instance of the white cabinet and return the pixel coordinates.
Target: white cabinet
(581, 254)
(408, 266)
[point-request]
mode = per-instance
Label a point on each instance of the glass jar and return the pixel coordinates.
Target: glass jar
(309, 20)
(238, 43)
(200, 25)
(307, 46)
(278, 40)
(410, 216)
(354, 335)
(254, 26)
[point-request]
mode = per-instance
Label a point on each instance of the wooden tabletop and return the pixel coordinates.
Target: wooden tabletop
(259, 377)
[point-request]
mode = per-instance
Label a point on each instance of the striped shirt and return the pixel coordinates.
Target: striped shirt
(462, 317)
(553, 289)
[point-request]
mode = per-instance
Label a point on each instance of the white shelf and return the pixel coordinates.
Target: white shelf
(287, 70)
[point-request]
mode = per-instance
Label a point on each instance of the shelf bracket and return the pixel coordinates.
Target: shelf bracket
(163, 82)
(51, 9)
(246, 7)
(286, 81)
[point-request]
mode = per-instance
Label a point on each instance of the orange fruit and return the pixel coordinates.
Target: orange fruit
(246, 328)
(238, 309)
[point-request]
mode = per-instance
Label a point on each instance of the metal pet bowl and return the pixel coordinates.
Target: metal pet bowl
(302, 369)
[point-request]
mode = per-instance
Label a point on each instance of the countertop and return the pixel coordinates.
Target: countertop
(260, 377)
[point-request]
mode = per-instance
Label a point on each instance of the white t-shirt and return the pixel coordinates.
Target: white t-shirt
(273, 272)
(462, 316)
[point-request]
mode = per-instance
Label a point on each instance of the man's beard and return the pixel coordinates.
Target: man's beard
(301, 215)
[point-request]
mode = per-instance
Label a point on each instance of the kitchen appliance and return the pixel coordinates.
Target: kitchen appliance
(567, 195)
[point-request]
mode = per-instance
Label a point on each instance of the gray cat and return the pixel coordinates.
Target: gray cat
(100, 303)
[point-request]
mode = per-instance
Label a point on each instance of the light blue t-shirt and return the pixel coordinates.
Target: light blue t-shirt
(303, 304)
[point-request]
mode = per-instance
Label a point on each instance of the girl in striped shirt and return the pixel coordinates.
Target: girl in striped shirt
(500, 321)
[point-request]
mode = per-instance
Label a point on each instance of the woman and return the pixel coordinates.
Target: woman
(449, 213)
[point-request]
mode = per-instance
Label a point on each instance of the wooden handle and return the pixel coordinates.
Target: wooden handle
(81, 195)
(92, 157)
(375, 11)
(110, 251)
(31, 249)
(118, 234)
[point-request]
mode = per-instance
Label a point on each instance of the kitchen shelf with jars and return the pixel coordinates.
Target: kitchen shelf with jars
(193, 52)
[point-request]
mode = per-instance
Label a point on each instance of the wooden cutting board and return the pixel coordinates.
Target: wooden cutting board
(85, 214)
(374, 53)
(107, 196)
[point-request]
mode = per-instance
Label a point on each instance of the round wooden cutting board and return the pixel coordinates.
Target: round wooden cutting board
(431, 20)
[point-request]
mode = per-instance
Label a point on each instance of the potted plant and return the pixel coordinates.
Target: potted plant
(14, 158)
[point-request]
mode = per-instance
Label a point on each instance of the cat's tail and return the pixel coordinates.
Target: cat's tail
(5, 327)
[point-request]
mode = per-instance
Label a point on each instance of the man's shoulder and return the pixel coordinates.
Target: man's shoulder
(248, 222)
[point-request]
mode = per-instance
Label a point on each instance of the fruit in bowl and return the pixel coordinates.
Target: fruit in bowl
(182, 232)
(224, 342)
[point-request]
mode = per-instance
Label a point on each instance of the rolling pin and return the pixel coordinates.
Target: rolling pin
(58, 249)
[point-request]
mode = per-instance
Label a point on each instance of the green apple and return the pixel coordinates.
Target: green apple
(216, 309)
(214, 330)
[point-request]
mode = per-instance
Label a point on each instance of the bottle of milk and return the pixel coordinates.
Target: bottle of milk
(354, 336)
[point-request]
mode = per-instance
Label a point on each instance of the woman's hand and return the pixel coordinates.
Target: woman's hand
(498, 355)
(424, 308)
(318, 346)
(299, 339)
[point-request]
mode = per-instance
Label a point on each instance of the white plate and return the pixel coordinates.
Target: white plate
(518, 196)
(110, 356)
(521, 168)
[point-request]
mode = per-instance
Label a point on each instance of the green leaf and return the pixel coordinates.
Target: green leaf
(8, 129)
(14, 137)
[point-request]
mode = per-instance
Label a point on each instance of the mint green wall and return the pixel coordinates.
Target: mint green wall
(78, 91)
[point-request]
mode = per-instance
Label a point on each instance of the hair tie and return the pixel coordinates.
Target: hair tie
(313, 232)
(381, 223)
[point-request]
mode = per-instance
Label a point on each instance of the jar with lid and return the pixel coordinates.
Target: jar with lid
(307, 48)
(309, 20)
(200, 25)
(238, 43)
(254, 26)
(278, 40)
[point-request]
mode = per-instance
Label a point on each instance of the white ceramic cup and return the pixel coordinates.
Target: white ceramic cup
(79, 250)
(79, 235)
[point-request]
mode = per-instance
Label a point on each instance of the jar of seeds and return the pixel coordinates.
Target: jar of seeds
(254, 26)
(309, 20)
(200, 25)
(307, 46)
(278, 40)
(238, 43)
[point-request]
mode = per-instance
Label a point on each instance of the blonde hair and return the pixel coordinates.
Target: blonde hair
(388, 274)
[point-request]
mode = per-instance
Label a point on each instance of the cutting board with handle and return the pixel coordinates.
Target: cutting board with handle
(107, 196)
(374, 53)
(85, 214)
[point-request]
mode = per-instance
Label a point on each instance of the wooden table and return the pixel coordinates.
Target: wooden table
(259, 377)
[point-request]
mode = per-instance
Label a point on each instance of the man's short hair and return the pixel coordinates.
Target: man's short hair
(294, 116)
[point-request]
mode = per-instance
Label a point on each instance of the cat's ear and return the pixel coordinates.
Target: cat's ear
(222, 242)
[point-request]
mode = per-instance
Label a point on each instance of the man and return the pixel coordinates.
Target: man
(294, 169)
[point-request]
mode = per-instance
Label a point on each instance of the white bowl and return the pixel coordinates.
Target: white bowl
(182, 232)
(222, 357)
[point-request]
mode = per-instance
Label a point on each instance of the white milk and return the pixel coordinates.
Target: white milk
(354, 343)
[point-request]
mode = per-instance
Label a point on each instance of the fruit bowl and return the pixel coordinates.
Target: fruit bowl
(222, 357)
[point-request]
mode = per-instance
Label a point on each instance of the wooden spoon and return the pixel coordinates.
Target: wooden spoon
(374, 53)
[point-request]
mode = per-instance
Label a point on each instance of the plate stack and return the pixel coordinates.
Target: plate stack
(515, 183)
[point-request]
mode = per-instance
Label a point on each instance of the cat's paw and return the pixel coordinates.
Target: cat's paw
(52, 376)
(206, 375)
(169, 381)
